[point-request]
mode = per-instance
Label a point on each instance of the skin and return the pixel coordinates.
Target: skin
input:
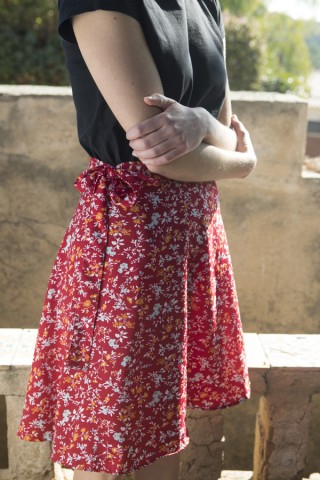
(165, 468)
(180, 129)
(176, 131)
(125, 74)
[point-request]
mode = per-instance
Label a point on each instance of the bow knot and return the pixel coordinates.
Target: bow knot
(121, 183)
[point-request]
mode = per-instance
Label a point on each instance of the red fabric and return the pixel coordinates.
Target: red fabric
(140, 322)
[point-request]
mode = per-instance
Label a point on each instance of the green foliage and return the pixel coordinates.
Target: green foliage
(312, 38)
(268, 51)
(286, 63)
(30, 48)
(244, 54)
(243, 7)
(264, 51)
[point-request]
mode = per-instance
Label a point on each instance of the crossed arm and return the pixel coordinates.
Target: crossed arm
(125, 73)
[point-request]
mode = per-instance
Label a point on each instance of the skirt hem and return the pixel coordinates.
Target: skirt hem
(120, 471)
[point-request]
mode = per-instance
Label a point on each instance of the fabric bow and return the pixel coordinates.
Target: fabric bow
(122, 183)
(99, 182)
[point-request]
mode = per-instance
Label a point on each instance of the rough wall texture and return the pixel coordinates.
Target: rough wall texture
(271, 217)
(39, 160)
(272, 221)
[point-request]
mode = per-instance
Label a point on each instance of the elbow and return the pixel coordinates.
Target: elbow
(156, 169)
(253, 164)
(168, 171)
(250, 166)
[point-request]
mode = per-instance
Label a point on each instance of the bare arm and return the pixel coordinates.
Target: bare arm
(226, 110)
(115, 51)
(179, 129)
(219, 132)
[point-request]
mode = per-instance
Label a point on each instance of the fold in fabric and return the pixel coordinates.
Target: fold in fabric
(99, 184)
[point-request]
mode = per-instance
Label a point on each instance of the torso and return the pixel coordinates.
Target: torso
(186, 43)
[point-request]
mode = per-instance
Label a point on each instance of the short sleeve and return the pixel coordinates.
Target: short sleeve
(69, 8)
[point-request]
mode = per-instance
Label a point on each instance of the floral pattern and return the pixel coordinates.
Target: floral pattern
(140, 322)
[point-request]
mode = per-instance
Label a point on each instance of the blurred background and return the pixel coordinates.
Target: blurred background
(275, 45)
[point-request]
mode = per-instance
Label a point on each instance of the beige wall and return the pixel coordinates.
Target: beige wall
(272, 221)
(271, 218)
(39, 160)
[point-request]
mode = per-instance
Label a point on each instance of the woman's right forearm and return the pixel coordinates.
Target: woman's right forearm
(207, 163)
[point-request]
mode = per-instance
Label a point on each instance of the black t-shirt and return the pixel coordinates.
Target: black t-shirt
(185, 38)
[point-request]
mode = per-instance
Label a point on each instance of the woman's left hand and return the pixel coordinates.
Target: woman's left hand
(170, 134)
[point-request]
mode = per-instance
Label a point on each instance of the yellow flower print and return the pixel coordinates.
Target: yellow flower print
(135, 209)
(203, 394)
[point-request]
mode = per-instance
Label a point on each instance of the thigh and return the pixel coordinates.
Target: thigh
(82, 475)
(164, 468)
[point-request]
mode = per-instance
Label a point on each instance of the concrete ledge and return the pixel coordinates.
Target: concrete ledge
(286, 353)
(264, 351)
(284, 369)
(292, 351)
(17, 347)
(34, 90)
(268, 97)
(45, 90)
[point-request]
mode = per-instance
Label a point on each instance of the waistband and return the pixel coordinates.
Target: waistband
(122, 183)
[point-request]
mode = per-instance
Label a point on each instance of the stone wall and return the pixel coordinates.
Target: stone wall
(39, 160)
(271, 217)
(272, 220)
(284, 372)
(313, 137)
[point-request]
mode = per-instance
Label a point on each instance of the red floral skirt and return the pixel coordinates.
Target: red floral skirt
(140, 322)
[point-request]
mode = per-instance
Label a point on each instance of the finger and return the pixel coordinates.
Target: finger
(237, 125)
(159, 100)
(145, 127)
(164, 159)
(235, 120)
(157, 151)
(150, 140)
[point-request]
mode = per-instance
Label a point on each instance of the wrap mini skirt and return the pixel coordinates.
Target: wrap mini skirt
(140, 322)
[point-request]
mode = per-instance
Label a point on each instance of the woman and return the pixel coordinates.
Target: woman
(141, 319)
